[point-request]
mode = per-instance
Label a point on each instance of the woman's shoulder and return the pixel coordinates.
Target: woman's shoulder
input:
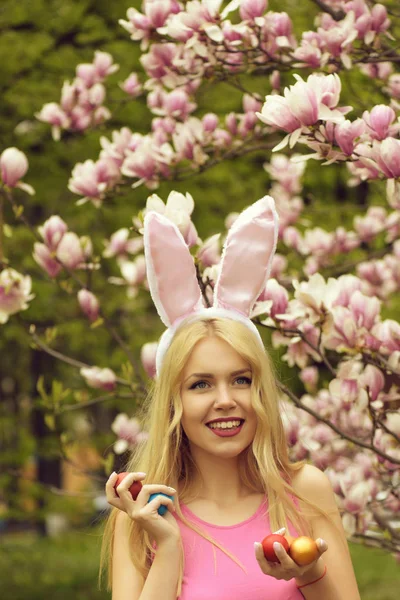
(314, 485)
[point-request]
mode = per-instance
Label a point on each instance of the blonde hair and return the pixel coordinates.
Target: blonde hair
(264, 466)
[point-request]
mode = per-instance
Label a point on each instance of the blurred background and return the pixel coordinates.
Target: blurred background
(52, 506)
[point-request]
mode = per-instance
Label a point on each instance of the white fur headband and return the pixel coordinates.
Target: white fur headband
(245, 266)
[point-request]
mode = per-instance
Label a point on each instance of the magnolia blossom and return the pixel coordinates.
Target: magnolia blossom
(120, 245)
(89, 304)
(69, 251)
(13, 166)
(45, 258)
(209, 252)
(91, 179)
(15, 293)
(178, 208)
(148, 358)
(81, 101)
(52, 231)
(128, 432)
(96, 377)
(132, 85)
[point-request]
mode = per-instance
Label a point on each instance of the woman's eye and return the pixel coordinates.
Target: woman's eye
(201, 385)
(243, 380)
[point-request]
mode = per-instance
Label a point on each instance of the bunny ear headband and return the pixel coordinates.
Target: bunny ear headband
(245, 266)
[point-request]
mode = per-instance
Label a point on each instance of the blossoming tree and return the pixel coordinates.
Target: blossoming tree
(331, 290)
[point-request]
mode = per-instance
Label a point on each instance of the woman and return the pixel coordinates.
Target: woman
(229, 491)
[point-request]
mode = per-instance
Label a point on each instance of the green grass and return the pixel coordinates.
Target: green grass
(66, 568)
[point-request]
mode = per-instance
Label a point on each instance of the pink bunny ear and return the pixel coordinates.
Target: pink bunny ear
(170, 270)
(246, 259)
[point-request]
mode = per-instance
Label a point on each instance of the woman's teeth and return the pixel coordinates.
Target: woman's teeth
(225, 425)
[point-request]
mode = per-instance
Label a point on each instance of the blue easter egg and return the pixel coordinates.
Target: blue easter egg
(161, 509)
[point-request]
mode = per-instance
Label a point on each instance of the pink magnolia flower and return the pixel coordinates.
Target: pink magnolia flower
(209, 252)
(96, 377)
(128, 432)
(346, 134)
(316, 294)
(387, 156)
(309, 376)
(178, 209)
(45, 259)
(373, 379)
(52, 231)
(15, 293)
(287, 171)
(69, 251)
(210, 122)
(364, 309)
(132, 85)
(103, 64)
(279, 265)
(92, 179)
(53, 114)
(13, 166)
(279, 296)
(133, 273)
(356, 497)
(251, 9)
(89, 304)
(379, 122)
(148, 358)
(119, 245)
(277, 113)
(388, 332)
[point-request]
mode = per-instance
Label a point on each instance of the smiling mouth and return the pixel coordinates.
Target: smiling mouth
(220, 427)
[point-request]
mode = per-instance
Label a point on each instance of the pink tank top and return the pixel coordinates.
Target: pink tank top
(229, 581)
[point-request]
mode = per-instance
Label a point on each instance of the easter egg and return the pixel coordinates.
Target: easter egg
(134, 488)
(268, 546)
(303, 550)
(161, 509)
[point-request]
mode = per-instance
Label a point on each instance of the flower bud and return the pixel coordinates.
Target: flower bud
(89, 304)
(14, 165)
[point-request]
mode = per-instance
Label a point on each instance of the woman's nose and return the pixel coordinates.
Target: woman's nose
(224, 395)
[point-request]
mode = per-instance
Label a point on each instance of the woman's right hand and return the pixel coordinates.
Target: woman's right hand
(162, 529)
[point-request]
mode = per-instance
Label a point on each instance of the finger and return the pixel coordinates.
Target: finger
(282, 555)
(262, 561)
(280, 531)
(322, 545)
(123, 488)
(149, 489)
(111, 494)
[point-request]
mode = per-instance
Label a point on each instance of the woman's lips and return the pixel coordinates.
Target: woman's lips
(227, 432)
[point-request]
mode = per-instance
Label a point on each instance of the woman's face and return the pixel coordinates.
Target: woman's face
(216, 382)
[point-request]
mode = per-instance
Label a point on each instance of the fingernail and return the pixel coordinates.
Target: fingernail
(322, 544)
(280, 531)
(140, 473)
(276, 546)
(112, 474)
(255, 545)
(172, 489)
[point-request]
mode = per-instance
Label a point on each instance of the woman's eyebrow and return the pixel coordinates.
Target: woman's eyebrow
(240, 372)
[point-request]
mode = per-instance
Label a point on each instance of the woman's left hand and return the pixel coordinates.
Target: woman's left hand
(286, 569)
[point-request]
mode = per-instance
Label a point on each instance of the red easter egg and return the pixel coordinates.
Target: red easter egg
(268, 546)
(134, 489)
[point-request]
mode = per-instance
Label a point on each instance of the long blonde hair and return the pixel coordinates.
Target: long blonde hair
(264, 466)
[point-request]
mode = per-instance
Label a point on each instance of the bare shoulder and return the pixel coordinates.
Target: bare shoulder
(314, 485)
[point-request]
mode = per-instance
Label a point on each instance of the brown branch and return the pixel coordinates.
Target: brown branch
(67, 359)
(337, 15)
